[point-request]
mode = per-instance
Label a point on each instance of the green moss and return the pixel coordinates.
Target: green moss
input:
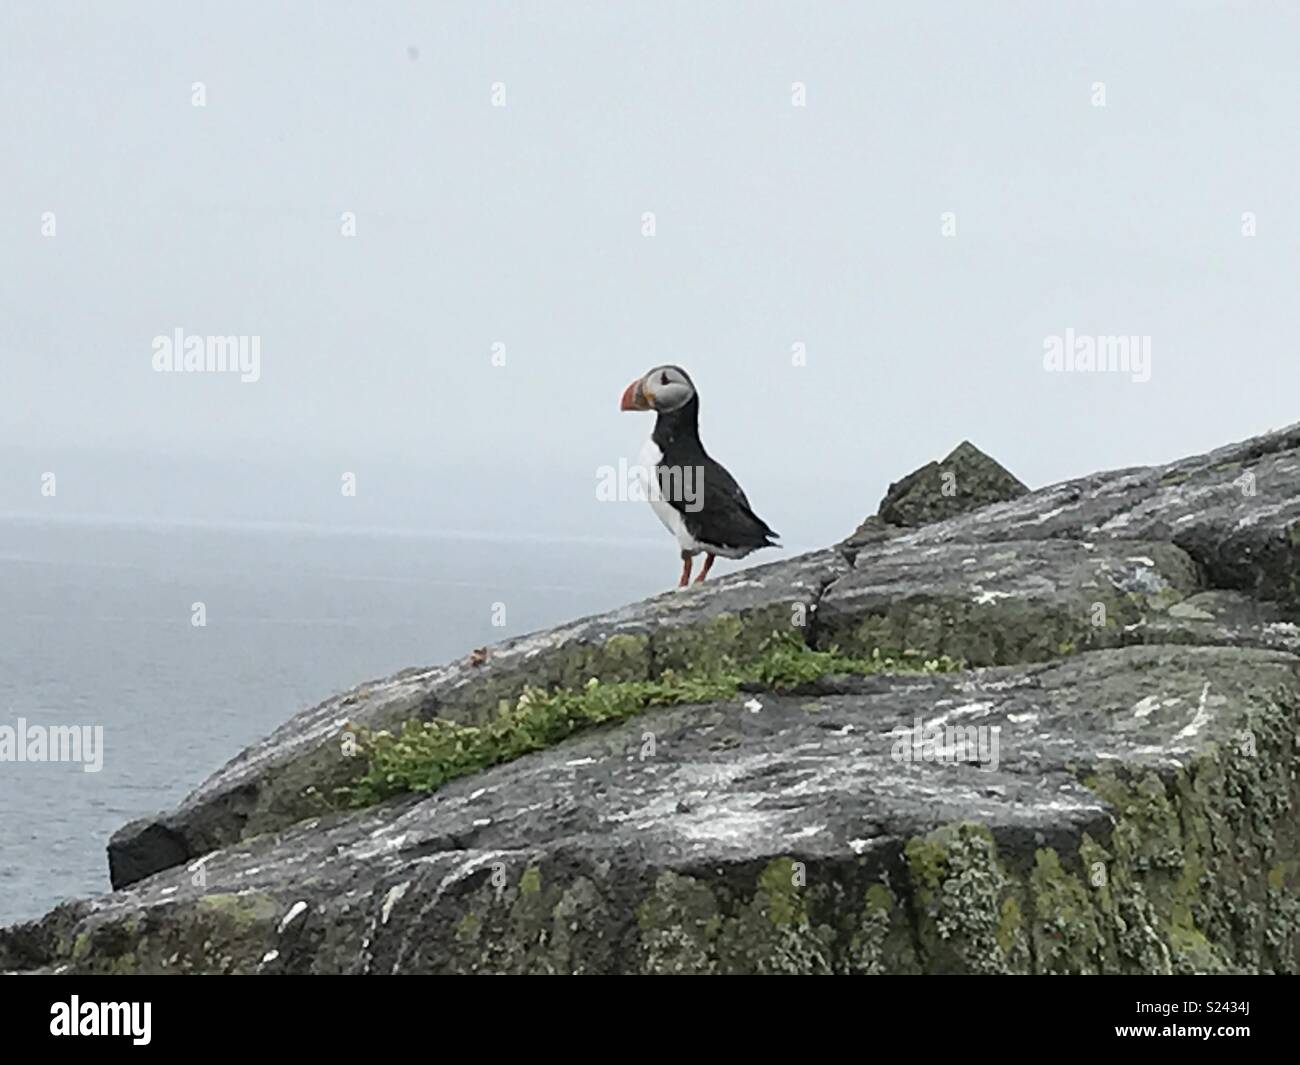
(81, 947)
(758, 922)
(218, 932)
(679, 923)
(1067, 937)
(1153, 906)
(241, 912)
(469, 928)
(425, 755)
(787, 663)
(961, 891)
(882, 940)
(1003, 632)
(1149, 830)
(1195, 871)
(622, 657)
(879, 899)
(107, 948)
(709, 648)
(1025, 626)
(544, 922)
(926, 861)
(774, 931)
(1009, 925)
(780, 895)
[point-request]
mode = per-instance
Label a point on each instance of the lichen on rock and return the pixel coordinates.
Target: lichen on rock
(678, 793)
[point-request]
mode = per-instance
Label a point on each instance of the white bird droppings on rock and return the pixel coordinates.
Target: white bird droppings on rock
(1143, 707)
(1200, 718)
(295, 911)
(393, 897)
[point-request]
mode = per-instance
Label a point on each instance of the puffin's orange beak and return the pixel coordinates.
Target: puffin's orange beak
(634, 397)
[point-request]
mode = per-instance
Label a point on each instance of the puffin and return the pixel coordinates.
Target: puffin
(698, 501)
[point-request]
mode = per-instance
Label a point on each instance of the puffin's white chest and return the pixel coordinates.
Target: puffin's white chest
(667, 513)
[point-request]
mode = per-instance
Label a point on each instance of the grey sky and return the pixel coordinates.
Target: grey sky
(775, 224)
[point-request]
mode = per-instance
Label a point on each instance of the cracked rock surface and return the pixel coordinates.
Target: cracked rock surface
(1111, 786)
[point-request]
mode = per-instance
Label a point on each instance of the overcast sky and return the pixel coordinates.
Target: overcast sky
(128, 212)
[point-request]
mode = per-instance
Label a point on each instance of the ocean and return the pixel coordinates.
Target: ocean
(98, 627)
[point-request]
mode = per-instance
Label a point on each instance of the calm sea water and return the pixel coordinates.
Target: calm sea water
(96, 629)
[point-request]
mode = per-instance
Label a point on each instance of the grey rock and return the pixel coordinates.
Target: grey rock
(965, 480)
(1002, 602)
(293, 773)
(793, 839)
(1235, 511)
(1140, 818)
(1223, 619)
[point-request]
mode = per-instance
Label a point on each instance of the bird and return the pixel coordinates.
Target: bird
(698, 501)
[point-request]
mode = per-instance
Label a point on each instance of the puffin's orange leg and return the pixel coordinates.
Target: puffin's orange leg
(704, 572)
(686, 571)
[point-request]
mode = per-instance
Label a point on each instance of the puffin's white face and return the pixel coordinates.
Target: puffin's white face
(664, 388)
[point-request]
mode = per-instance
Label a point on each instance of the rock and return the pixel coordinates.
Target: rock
(792, 840)
(873, 530)
(966, 480)
(1005, 602)
(1137, 639)
(1235, 511)
(293, 772)
(963, 481)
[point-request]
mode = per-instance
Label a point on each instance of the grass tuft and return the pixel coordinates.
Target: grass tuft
(425, 755)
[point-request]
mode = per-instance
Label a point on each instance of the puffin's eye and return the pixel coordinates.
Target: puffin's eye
(663, 378)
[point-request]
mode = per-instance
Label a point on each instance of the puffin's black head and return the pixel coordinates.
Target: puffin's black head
(663, 389)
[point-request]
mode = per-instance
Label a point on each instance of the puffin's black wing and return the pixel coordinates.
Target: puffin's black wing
(720, 513)
(716, 511)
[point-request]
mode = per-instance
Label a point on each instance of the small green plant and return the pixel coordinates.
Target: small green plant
(786, 661)
(424, 755)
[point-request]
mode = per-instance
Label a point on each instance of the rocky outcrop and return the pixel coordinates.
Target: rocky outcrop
(1110, 786)
(292, 773)
(966, 480)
